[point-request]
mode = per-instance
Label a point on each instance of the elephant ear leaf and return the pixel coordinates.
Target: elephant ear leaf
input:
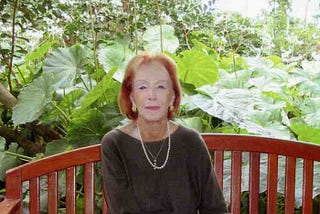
(33, 99)
(157, 36)
(65, 64)
(59, 71)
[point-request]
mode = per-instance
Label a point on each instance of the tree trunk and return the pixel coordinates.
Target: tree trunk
(6, 98)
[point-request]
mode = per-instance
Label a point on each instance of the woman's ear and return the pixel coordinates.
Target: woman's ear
(132, 99)
(173, 97)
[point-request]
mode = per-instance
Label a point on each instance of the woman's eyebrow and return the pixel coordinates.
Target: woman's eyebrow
(154, 81)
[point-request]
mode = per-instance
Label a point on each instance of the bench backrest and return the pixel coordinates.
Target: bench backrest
(233, 149)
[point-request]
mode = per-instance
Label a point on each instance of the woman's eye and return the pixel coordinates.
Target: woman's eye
(142, 87)
(162, 87)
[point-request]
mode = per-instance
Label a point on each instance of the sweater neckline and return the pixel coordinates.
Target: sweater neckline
(151, 142)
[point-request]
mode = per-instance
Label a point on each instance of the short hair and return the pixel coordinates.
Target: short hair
(134, 64)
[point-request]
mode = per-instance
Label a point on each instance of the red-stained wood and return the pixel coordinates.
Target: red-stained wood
(89, 188)
(272, 180)
(307, 186)
(290, 185)
(53, 192)
(236, 159)
(87, 157)
(254, 182)
(71, 190)
(34, 195)
(218, 167)
(13, 201)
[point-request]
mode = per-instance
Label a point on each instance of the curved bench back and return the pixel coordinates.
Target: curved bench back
(233, 157)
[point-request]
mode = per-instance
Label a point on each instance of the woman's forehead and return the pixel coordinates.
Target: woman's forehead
(156, 81)
(152, 71)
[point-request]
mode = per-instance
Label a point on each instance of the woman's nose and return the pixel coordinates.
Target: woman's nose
(152, 94)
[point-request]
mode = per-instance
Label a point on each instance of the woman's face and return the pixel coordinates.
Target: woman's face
(152, 92)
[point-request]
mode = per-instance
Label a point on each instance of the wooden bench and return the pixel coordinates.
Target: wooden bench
(232, 148)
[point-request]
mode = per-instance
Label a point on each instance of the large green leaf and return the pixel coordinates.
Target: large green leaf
(87, 129)
(33, 99)
(65, 64)
(306, 133)
(160, 35)
(242, 107)
(7, 161)
(39, 52)
(113, 56)
(197, 68)
(100, 90)
(57, 146)
(64, 107)
(191, 122)
(310, 110)
(306, 80)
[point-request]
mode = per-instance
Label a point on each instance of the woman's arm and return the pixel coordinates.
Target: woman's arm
(118, 194)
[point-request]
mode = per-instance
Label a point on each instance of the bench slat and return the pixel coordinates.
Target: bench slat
(235, 196)
(89, 188)
(307, 186)
(71, 190)
(290, 184)
(218, 166)
(272, 183)
(34, 195)
(53, 192)
(254, 182)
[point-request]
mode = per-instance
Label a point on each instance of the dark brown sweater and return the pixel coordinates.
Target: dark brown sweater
(186, 185)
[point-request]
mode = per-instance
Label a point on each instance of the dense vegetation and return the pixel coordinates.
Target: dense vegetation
(62, 64)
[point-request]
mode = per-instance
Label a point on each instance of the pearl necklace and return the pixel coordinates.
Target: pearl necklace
(154, 165)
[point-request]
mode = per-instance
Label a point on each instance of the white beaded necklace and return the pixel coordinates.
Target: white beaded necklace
(154, 165)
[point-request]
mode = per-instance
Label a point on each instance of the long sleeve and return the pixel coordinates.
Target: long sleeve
(212, 200)
(119, 196)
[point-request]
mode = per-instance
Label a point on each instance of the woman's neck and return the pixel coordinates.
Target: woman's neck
(152, 131)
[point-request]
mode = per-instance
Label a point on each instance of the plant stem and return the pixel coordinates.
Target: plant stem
(60, 110)
(24, 157)
(11, 72)
(94, 40)
(135, 27)
(160, 24)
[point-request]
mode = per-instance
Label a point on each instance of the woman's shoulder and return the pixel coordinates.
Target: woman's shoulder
(117, 136)
(187, 132)
(110, 137)
(188, 137)
(190, 141)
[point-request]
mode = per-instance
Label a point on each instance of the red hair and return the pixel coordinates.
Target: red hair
(134, 64)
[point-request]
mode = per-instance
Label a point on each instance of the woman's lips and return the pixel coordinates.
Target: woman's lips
(153, 108)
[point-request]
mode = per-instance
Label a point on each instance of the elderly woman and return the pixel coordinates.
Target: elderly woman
(152, 164)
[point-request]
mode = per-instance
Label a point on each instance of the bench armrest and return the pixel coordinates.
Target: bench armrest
(9, 205)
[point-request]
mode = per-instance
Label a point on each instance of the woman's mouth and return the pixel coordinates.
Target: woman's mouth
(152, 108)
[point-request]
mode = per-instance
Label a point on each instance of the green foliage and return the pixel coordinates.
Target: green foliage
(29, 108)
(231, 33)
(255, 95)
(238, 75)
(197, 68)
(7, 161)
(306, 133)
(66, 64)
(159, 38)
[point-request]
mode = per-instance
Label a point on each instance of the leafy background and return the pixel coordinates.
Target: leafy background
(62, 64)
